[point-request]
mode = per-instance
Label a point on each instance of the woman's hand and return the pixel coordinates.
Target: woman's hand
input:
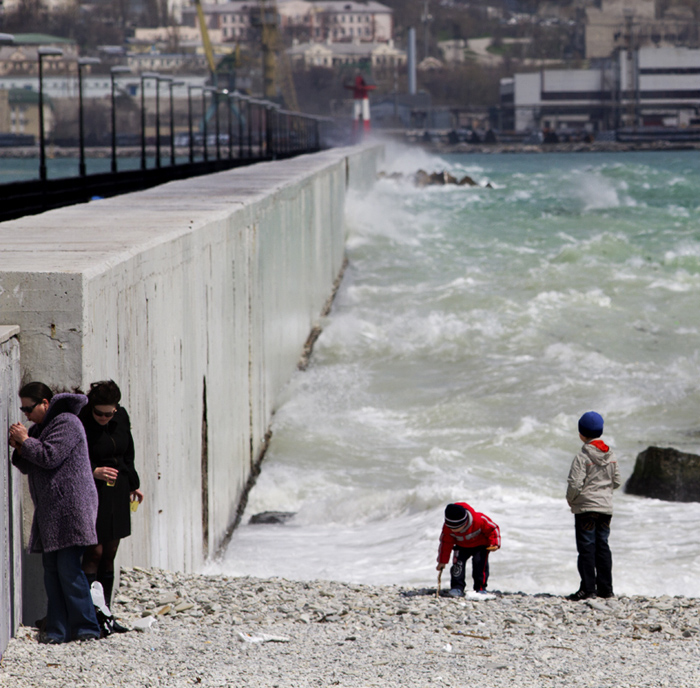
(18, 434)
(137, 495)
(106, 473)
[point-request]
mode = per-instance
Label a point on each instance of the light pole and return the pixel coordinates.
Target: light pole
(171, 86)
(215, 101)
(41, 53)
(82, 62)
(239, 98)
(119, 69)
(205, 153)
(258, 128)
(189, 118)
(261, 127)
(144, 76)
(230, 123)
(249, 115)
(274, 130)
(317, 133)
(158, 80)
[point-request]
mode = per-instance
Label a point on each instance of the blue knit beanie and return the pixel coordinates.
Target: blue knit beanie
(590, 425)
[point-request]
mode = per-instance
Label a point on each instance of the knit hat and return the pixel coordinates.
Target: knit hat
(590, 425)
(455, 515)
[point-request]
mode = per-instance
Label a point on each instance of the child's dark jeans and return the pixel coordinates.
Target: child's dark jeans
(594, 556)
(480, 567)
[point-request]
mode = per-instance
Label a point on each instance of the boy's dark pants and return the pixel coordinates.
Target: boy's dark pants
(594, 556)
(480, 567)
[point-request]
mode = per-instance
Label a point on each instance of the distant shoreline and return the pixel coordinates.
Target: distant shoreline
(538, 148)
(30, 152)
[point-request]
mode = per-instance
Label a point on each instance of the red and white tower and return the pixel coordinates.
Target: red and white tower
(360, 93)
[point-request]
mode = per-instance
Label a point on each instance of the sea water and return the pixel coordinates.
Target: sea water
(473, 327)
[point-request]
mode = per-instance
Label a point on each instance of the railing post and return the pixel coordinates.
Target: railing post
(239, 98)
(81, 126)
(205, 154)
(43, 52)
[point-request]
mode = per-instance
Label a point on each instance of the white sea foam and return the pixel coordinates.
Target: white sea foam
(596, 193)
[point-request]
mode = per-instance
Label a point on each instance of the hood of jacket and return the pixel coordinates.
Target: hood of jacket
(64, 403)
(598, 452)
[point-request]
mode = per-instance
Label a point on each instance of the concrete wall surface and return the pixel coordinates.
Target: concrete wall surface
(196, 297)
(10, 490)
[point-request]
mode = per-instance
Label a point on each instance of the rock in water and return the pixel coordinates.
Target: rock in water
(467, 181)
(268, 517)
(422, 178)
(666, 474)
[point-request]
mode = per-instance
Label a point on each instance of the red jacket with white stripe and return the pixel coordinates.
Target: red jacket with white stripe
(482, 532)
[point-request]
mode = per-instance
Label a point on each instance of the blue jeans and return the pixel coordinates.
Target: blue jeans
(70, 612)
(594, 556)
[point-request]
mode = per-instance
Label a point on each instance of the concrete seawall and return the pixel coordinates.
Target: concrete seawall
(10, 494)
(196, 297)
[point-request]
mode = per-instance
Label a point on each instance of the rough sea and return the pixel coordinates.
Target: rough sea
(472, 329)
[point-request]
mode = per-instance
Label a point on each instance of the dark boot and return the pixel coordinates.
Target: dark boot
(107, 580)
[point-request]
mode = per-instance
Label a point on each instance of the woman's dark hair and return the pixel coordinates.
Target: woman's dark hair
(36, 391)
(104, 393)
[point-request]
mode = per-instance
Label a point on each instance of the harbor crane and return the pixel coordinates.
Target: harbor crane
(277, 75)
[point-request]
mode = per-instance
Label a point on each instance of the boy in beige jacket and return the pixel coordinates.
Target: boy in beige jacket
(592, 478)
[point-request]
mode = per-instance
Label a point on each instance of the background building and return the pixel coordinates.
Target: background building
(306, 21)
(377, 56)
(650, 87)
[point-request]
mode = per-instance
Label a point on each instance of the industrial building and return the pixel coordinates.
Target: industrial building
(647, 87)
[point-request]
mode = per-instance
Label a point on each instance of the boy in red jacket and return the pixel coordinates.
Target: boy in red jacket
(469, 534)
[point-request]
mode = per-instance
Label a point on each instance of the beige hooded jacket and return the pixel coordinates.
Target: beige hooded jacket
(593, 477)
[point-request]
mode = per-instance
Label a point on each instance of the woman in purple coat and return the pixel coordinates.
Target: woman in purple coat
(53, 454)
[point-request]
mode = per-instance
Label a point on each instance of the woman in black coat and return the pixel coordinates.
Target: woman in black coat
(111, 449)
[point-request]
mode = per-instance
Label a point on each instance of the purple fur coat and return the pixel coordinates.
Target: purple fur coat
(55, 458)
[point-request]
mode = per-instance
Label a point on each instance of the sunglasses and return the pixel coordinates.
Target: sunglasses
(103, 414)
(28, 409)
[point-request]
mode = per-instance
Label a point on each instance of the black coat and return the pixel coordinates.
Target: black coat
(112, 445)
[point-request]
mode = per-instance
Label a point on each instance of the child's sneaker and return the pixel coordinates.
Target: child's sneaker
(455, 592)
(581, 595)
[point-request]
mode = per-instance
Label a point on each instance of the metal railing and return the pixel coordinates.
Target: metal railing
(263, 131)
(266, 132)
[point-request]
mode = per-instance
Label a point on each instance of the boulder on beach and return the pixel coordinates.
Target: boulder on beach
(666, 473)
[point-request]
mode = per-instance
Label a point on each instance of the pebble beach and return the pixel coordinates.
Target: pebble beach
(200, 630)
